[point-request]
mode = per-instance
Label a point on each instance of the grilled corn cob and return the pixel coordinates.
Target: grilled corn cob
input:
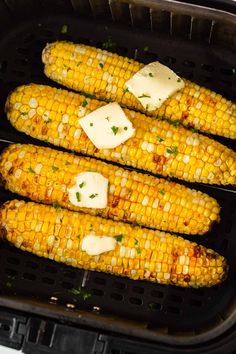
(103, 74)
(46, 175)
(52, 114)
(139, 254)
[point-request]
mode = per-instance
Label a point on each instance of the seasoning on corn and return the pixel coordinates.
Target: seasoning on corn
(134, 197)
(77, 66)
(141, 254)
(53, 115)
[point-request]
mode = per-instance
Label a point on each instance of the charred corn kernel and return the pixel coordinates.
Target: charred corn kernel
(157, 146)
(47, 175)
(193, 105)
(140, 254)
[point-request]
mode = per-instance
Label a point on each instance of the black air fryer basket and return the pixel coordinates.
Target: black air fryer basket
(38, 311)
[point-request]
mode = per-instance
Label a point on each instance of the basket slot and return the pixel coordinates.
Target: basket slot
(160, 21)
(140, 16)
(82, 7)
(120, 12)
(100, 9)
(201, 29)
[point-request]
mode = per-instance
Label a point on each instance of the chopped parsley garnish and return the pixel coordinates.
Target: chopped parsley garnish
(88, 95)
(109, 44)
(161, 191)
(146, 49)
(160, 140)
(56, 238)
(143, 96)
(78, 237)
(114, 129)
(55, 168)
(31, 170)
(168, 78)
(135, 242)
(80, 292)
(64, 29)
(84, 103)
(91, 124)
(150, 74)
(175, 122)
(67, 163)
(101, 65)
(193, 130)
(56, 205)
(92, 196)
(173, 150)
(179, 79)
(79, 62)
(147, 107)
(77, 196)
(125, 128)
(90, 227)
(23, 113)
(126, 90)
(107, 118)
(81, 184)
(138, 250)
(48, 120)
(118, 237)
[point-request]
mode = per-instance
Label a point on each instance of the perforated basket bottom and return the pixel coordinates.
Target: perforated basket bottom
(170, 308)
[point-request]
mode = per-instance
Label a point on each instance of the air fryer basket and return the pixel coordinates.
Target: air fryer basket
(199, 44)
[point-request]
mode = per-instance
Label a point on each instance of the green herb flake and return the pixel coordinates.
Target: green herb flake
(67, 163)
(125, 128)
(80, 292)
(56, 205)
(109, 44)
(64, 29)
(135, 242)
(55, 168)
(92, 196)
(81, 184)
(159, 139)
(144, 95)
(161, 191)
(101, 65)
(31, 170)
(118, 238)
(168, 78)
(78, 64)
(56, 238)
(146, 49)
(173, 150)
(179, 79)
(175, 122)
(114, 129)
(138, 250)
(91, 124)
(150, 74)
(107, 118)
(90, 227)
(193, 130)
(77, 196)
(84, 103)
(49, 120)
(126, 90)
(23, 113)
(88, 95)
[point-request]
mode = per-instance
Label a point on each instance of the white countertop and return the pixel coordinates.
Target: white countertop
(5, 350)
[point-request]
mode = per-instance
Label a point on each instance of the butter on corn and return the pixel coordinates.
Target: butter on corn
(103, 74)
(46, 175)
(139, 253)
(157, 147)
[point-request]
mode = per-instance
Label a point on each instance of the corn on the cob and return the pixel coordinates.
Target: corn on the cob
(52, 114)
(139, 254)
(103, 74)
(46, 175)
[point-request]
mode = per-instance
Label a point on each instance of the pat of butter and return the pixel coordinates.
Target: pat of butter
(153, 84)
(89, 191)
(95, 245)
(107, 127)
